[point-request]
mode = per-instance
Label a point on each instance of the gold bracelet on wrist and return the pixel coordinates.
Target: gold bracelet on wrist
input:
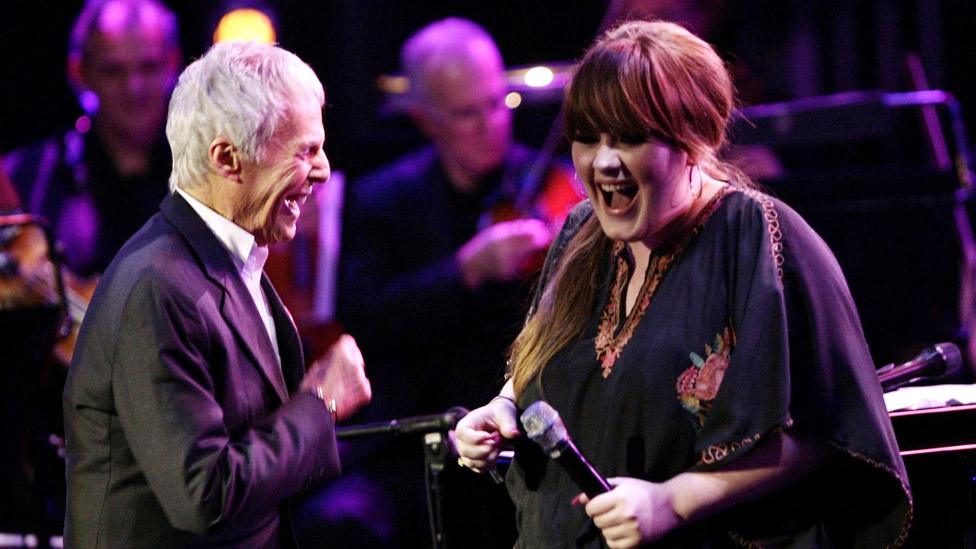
(330, 403)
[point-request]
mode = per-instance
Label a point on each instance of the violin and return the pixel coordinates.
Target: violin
(31, 278)
(548, 197)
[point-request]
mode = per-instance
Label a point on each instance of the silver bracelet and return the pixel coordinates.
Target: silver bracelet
(508, 398)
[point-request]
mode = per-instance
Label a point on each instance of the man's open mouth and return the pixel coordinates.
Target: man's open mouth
(295, 201)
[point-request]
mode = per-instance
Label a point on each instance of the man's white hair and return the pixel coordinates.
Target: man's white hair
(238, 90)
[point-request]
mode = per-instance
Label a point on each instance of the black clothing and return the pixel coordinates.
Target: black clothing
(92, 209)
(430, 342)
(182, 430)
(751, 331)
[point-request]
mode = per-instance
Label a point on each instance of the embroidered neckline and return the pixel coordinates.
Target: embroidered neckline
(609, 343)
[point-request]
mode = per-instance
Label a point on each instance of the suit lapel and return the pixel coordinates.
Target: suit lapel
(237, 308)
(238, 305)
(289, 343)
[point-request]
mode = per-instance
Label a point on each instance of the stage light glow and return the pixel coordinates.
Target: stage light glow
(513, 100)
(83, 124)
(538, 77)
(245, 24)
(393, 84)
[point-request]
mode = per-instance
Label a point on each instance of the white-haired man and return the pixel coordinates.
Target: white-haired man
(434, 278)
(189, 418)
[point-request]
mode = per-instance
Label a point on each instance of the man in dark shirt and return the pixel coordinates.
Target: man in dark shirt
(433, 282)
(434, 265)
(100, 181)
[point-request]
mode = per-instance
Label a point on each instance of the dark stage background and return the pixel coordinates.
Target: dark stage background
(874, 196)
(786, 49)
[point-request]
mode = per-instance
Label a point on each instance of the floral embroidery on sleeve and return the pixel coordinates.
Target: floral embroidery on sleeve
(698, 386)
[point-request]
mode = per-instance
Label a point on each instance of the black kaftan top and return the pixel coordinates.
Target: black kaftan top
(751, 331)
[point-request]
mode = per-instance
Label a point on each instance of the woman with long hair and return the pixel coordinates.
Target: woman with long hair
(695, 335)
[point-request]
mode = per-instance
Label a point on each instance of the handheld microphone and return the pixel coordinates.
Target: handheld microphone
(940, 360)
(544, 426)
(432, 423)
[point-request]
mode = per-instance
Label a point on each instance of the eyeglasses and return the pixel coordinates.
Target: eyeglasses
(470, 116)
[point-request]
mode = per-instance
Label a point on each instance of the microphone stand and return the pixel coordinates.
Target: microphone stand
(436, 451)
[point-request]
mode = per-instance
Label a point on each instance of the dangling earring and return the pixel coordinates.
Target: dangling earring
(578, 184)
(691, 181)
(701, 181)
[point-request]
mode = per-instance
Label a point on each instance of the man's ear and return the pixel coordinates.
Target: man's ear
(225, 159)
(423, 119)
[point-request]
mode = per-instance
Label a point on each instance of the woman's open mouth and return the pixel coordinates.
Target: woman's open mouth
(617, 197)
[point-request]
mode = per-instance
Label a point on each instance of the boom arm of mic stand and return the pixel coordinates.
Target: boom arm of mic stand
(367, 430)
(418, 424)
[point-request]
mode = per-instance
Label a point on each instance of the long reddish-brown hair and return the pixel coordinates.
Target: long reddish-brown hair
(646, 78)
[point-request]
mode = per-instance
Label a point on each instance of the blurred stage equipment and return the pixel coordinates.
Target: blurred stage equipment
(938, 446)
(245, 20)
(437, 449)
(527, 85)
(940, 362)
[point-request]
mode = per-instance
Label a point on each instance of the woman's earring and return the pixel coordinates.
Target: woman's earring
(691, 180)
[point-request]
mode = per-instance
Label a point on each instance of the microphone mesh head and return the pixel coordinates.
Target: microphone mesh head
(951, 357)
(543, 425)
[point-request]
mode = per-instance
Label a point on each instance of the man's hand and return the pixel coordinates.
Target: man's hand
(499, 252)
(341, 375)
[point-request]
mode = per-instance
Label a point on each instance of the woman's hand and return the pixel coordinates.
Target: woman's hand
(633, 512)
(480, 434)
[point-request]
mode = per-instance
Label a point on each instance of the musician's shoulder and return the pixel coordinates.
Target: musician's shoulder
(25, 161)
(393, 176)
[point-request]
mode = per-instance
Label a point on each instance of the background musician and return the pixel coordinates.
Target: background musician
(430, 285)
(434, 284)
(98, 182)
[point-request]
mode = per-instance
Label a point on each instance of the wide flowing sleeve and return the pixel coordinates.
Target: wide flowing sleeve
(793, 357)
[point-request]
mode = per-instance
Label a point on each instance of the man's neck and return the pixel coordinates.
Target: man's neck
(130, 158)
(462, 180)
(218, 202)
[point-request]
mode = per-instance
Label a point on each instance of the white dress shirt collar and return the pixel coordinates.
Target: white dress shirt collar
(248, 257)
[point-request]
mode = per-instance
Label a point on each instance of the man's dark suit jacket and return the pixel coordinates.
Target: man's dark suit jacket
(180, 428)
